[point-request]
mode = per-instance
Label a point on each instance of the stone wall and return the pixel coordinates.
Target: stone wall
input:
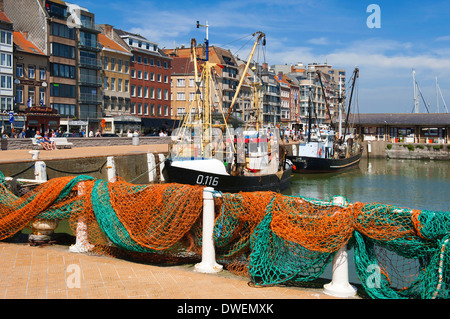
(25, 143)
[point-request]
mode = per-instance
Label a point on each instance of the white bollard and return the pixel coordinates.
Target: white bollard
(151, 164)
(339, 285)
(111, 167)
(40, 171)
(34, 154)
(161, 167)
(208, 263)
(82, 244)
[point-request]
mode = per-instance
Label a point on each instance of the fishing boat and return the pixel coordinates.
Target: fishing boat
(206, 150)
(324, 151)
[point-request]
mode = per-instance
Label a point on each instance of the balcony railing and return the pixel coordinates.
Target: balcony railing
(90, 80)
(90, 98)
(90, 62)
(89, 44)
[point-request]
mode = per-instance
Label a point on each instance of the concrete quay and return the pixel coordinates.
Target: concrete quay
(47, 272)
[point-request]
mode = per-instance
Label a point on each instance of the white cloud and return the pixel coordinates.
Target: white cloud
(319, 41)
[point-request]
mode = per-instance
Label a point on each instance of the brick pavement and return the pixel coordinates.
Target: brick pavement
(52, 272)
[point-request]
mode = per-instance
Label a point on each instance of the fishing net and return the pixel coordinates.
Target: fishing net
(269, 237)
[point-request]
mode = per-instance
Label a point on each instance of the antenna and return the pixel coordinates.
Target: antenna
(207, 37)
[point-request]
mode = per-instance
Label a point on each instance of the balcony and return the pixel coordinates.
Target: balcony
(90, 62)
(89, 45)
(89, 80)
(86, 98)
(90, 26)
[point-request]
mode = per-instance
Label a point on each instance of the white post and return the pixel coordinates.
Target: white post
(111, 167)
(339, 285)
(151, 164)
(82, 244)
(161, 167)
(208, 263)
(40, 171)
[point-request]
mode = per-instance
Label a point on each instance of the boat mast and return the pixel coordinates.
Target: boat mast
(236, 94)
(355, 76)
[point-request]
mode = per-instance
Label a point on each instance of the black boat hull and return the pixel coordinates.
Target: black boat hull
(304, 164)
(225, 183)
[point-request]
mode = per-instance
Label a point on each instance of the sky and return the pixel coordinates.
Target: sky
(386, 42)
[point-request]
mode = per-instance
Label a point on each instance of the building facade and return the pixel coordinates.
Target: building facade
(150, 72)
(6, 63)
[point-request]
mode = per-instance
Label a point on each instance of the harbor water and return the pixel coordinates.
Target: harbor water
(414, 184)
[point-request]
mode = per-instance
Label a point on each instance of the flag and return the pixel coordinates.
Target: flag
(29, 102)
(42, 102)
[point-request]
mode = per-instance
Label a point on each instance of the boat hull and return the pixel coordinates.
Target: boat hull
(304, 164)
(227, 183)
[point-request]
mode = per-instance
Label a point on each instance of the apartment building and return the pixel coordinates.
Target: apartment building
(67, 34)
(150, 71)
(285, 98)
(30, 73)
(228, 71)
(6, 63)
(183, 88)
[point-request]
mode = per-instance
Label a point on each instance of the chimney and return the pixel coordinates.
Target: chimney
(108, 30)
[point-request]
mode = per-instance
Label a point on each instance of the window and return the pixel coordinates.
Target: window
(166, 95)
(6, 104)
(145, 75)
(42, 74)
(62, 50)
(139, 108)
(181, 96)
(64, 109)
(166, 65)
(61, 30)
(146, 108)
(6, 82)
(166, 110)
(127, 65)
(159, 109)
(133, 90)
(181, 83)
(139, 91)
(145, 60)
(159, 94)
(31, 72)
(19, 70)
(166, 79)
(31, 96)
(152, 93)
(133, 73)
(139, 74)
(62, 90)
(191, 83)
(5, 37)
(105, 83)
(113, 64)
(6, 59)
(152, 62)
(126, 85)
(133, 106)
(159, 77)
(19, 94)
(119, 85)
(146, 92)
(119, 65)
(42, 96)
(105, 63)
(139, 59)
(62, 70)
(152, 76)
(113, 84)
(158, 63)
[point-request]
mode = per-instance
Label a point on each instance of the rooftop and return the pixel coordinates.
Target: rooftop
(402, 118)
(22, 44)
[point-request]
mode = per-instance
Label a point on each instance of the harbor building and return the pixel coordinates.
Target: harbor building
(403, 127)
(6, 63)
(116, 60)
(150, 74)
(67, 34)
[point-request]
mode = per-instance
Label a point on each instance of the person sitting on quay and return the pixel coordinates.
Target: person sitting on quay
(40, 140)
(51, 144)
